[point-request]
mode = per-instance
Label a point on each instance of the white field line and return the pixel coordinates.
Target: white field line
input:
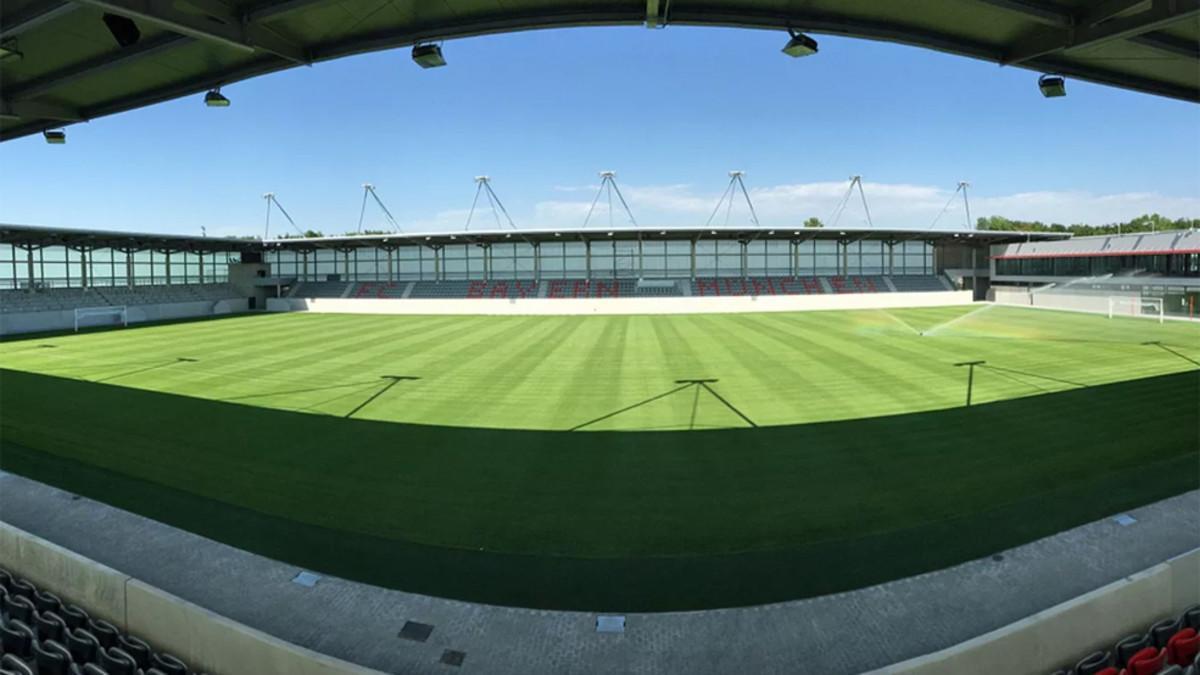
(942, 326)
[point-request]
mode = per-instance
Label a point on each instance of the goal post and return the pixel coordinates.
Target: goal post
(118, 312)
(1137, 307)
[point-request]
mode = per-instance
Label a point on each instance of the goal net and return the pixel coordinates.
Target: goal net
(86, 317)
(1140, 307)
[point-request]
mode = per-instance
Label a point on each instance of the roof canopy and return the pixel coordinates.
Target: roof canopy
(32, 236)
(1174, 242)
(61, 64)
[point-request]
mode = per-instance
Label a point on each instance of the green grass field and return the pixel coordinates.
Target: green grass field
(574, 462)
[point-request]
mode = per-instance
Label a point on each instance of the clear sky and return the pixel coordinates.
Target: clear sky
(672, 111)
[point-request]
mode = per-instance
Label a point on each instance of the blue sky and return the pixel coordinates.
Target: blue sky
(672, 111)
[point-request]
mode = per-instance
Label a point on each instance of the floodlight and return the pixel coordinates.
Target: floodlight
(428, 55)
(215, 99)
(1052, 86)
(123, 29)
(9, 51)
(55, 137)
(800, 45)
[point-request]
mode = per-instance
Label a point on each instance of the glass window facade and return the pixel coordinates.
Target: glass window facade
(607, 259)
(61, 267)
(1174, 265)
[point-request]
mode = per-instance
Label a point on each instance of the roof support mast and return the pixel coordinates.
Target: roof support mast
(270, 197)
(369, 189)
(608, 181)
(483, 184)
(962, 187)
(855, 181)
(735, 183)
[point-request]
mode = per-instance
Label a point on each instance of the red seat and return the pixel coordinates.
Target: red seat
(1146, 662)
(1183, 647)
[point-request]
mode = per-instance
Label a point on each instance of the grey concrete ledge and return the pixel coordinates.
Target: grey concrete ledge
(847, 632)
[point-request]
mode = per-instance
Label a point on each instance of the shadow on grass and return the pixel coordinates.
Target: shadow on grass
(611, 521)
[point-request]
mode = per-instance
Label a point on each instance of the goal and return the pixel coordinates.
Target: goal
(100, 316)
(1139, 307)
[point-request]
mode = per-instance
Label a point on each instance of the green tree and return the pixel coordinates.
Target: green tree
(814, 222)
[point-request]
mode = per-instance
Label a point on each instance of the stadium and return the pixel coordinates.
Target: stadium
(594, 448)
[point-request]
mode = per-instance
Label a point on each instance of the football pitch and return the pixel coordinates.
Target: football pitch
(619, 462)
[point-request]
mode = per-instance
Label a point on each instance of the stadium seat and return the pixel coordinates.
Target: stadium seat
(1148, 661)
(1191, 617)
(1129, 646)
(18, 607)
(17, 639)
(1183, 647)
(1111, 670)
(75, 616)
(137, 649)
(45, 601)
(1093, 663)
(105, 632)
(1162, 631)
(51, 658)
(117, 662)
(93, 669)
(22, 588)
(168, 664)
(49, 626)
(5, 579)
(12, 664)
(1172, 670)
(82, 645)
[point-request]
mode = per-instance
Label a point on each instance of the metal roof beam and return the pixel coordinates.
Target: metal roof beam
(1096, 28)
(32, 110)
(216, 24)
(263, 11)
(1169, 44)
(12, 26)
(97, 65)
(1037, 11)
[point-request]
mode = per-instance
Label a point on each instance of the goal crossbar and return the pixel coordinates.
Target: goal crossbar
(1136, 307)
(120, 311)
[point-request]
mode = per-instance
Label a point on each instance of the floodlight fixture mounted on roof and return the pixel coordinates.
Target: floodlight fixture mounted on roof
(800, 45)
(428, 55)
(55, 136)
(215, 99)
(1052, 86)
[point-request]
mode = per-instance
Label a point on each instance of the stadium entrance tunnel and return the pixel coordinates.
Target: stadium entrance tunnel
(630, 521)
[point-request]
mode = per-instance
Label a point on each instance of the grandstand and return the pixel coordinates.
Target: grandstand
(591, 449)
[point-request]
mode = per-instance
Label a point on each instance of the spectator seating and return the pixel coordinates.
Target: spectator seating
(52, 299)
(1169, 647)
(920, 284)
(42, 635)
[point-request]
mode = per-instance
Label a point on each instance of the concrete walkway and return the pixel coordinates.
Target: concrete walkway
(844, 633)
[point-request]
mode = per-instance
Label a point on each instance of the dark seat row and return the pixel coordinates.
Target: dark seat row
(1170, 647)
(42, 635)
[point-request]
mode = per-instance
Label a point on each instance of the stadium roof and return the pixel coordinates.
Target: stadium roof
(1175, 242)
(576, 234)
(37, 236)
(60, 63)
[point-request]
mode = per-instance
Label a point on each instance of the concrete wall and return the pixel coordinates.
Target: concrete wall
(1058, 298)
(64, 319)
(1063, 634)
(673, 305)
(206, 641)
